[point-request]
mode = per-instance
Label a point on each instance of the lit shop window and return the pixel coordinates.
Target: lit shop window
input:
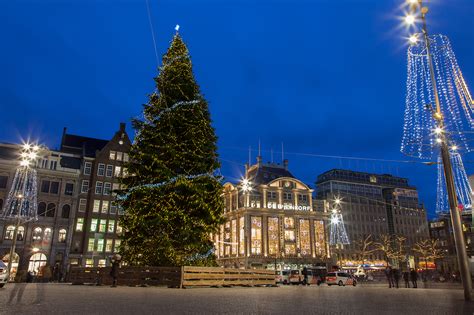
(102, 263)
(319, 241)
(305, 239)
(242, 236)
(290, 249)
(234, 237)
(256, 234)
(221, 240)
(62, 236)
(273, 236)
(90, 262)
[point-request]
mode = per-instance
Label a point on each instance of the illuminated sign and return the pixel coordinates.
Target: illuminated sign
(273, 205)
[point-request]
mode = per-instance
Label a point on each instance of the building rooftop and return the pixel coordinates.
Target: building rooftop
(81, 145)
(362, 177)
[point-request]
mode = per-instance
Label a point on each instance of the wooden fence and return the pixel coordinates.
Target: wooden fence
(186, 276)
(131, 276)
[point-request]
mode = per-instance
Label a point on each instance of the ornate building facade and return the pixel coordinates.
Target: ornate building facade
(271, 221)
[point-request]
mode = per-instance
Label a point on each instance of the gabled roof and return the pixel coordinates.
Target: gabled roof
(82, 145)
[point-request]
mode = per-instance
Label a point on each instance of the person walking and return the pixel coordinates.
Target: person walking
(305, 276)
(396, 276)
(114, 270)
(389, 275)
(414, 277)
(406, 278)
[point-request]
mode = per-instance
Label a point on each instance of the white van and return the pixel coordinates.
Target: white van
(3, 274)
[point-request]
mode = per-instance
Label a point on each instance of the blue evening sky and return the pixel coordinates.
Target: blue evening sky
(324, 77)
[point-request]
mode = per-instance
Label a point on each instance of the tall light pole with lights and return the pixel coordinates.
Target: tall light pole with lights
(440, 121)
(21, 203)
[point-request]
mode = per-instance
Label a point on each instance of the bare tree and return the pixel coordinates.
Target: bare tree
(384, 245)
(428, 250)
(399, 251)
(364, 247)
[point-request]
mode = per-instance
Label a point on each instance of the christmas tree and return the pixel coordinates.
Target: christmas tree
(172, 200)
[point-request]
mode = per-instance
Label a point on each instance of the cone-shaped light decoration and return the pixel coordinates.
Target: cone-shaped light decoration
(419, 138)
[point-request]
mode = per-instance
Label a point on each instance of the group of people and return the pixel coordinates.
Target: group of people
(393, 277)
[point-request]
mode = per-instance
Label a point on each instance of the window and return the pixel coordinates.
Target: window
(117, 245)
(119, 156)
(21, 234)
(68, 189)
(82, 205)
(271, 195)
(115, 187)
(125, 157)
(80, 224)
(256, 233)
(65, 211)
(111, 226)
(112, 155)
(98, 188)
(119, 229)
(118, 169)
(87, 168)
(100, 245)
(48, 233)
(51, 210)
(44, 163)
(290, 235)
(102, 262)
(107, 188)
(53, 165)
(62, 236)
(102, 225)
(303, 198)
(113, 208)
(3, 181)
(54, 188)
(93, 225)
(85, 186)
(91, 246)
(37, 234)
(96, 207)
(108, 245)
(287, 196)
(273, 236)
(109, 171)
(101, 169)
(42, 209)
(105, 206)
(124, 172)
(9, 232)
(45, 186)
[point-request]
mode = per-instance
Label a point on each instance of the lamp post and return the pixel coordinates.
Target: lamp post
(443, 141)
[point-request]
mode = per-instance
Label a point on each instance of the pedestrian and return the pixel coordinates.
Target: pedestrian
(114, 270)
(414, 277)
(396, 276)
(389, 275)
(305, 276)
(406, 278)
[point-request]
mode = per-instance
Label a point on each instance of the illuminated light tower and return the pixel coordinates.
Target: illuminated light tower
(463, 187)
(439, 109)
(337, 232)
(21, 203)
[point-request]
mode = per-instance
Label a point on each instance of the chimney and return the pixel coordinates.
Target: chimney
(285, 164)
(122, 127)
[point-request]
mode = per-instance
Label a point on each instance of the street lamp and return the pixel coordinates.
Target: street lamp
(416, 6)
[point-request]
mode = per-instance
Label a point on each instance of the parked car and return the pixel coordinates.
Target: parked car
(282, 276)
(340, 278)
(295, 277)
(3, 274)
(316, 275)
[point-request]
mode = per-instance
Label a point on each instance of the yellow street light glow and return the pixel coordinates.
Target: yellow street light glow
(36, 148)
(26, 146)
(25, 163)
(438, 130)
(454, 148)
(337, 201)
(439, 140)
(334, 210)
(32, 155)
(409, 19)
(35, 249)
(413, 1)
(334, 220)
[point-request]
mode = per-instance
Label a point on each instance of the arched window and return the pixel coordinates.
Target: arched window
(37, 234)
(37, 261)
(47, 234)
(42, 209)
(51, 210)
(62, 236)
(9, 232)
(65, 211)
(21, 233)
